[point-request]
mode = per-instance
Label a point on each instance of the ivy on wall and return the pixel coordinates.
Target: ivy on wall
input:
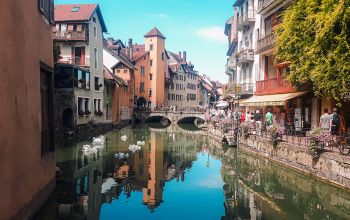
(314, 35)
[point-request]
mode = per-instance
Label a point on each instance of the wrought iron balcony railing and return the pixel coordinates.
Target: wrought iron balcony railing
(246, 19)
(246, 88)
(273, 86)
(246, 55)
(265, 43)
(71, 36)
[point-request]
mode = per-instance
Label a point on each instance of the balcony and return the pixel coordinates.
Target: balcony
(265, 43)
(265, 6)
(246, 88)
(245, 20)
(71, 36)
(246, 56)
(273, 86)
(78, 61)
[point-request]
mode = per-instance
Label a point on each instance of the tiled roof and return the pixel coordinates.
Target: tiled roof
(155, 32)
(138, 51)
(110, 76)
(83, 12)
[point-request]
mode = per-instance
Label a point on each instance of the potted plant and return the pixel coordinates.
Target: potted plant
(245, 128)
(318, 138)
(276, 133)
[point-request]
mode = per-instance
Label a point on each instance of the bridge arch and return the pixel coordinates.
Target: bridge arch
(173, 117)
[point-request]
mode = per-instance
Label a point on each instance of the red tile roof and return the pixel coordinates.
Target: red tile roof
(138, 51)
(155, 33)
(64, 13)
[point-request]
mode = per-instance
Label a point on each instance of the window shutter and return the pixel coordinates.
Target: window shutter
(73, 56)
(82, 56)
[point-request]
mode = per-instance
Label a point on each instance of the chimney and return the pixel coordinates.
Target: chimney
(180, 55)
(130, 48)
(110, 41)
(184, 56)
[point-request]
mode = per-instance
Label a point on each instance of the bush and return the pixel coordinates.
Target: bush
(276, 133)
(318, 139)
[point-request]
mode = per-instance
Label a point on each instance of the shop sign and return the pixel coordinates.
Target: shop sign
(297, 119)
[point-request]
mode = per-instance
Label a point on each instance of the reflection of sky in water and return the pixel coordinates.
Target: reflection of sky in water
(200, 196)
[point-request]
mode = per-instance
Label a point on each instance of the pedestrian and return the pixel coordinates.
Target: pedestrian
(325, 120)
(268, 118)
(242, 117)
(252, 119)
(257, 118)
(335, 122)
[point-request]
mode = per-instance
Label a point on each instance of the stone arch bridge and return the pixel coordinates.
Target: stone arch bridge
(173, 117)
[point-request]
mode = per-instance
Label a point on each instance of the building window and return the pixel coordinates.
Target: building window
(125, 71)
(142, 70)
(97, 83)
(163, 56)
(150, 93)
(96, 54)
(97, 105)
(87, 105)
(142, 87)
(81, 106)
(151, 47)
(46, 7)
(150, 76)
(151, 62)
(95, 32)
(94, 19)
(47, 115)
(82, 79)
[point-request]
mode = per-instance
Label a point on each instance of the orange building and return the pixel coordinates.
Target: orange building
(150, 60)
(27, 160)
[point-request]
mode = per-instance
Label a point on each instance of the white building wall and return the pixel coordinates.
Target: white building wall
(94, 42)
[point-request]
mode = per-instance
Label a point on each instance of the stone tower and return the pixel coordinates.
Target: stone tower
(155, 44)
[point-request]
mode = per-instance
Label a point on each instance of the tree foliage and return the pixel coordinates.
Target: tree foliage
(56, 52)
(314, 35)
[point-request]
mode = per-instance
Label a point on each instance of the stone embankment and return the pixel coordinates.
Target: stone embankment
(330, 166)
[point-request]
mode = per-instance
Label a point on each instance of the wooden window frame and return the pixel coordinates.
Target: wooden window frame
(47, 148)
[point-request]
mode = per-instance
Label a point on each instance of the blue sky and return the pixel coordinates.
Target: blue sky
(195, 26)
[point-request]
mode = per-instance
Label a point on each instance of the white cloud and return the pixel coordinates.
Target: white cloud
(160, 15)
(214, 33)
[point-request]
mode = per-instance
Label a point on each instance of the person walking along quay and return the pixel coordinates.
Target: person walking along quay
(325, 120)
(268, 118)
(258, 123)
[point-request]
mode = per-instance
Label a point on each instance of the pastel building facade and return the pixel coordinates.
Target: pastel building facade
(79, 32)
(27, 160)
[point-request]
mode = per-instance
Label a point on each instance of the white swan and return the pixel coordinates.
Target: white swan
(124, 138)
(140, 143)
(99, 141)
(134, 147)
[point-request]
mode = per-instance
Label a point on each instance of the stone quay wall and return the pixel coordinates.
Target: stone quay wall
(331, 167)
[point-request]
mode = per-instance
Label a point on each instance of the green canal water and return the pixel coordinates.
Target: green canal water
(181, 174)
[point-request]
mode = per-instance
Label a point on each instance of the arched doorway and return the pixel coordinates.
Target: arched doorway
(67, 118)
(141, 102)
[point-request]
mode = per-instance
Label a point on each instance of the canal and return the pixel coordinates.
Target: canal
(179, 173)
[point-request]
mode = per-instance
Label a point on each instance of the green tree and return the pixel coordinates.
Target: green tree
(56, 52)
(314, 35)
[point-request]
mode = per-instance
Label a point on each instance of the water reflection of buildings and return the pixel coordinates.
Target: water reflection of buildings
(165, 157)
(79, 191)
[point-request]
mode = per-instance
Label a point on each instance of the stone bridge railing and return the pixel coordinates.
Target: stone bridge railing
(173, 116)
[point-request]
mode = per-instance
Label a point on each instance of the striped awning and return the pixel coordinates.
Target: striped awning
(270, 100)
